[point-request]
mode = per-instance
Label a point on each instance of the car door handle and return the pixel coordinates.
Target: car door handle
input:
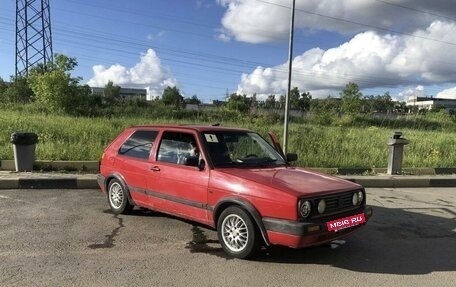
(155, 168)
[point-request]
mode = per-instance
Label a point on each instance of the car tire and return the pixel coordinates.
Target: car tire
(118, 198)
(237, 233)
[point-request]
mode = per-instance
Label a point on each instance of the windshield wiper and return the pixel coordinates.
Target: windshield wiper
(266, 162)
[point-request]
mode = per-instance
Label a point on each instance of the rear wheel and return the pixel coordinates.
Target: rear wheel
(118, 198)
(237, 233)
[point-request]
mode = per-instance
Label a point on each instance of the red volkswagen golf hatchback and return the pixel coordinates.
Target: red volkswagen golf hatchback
(231, 180)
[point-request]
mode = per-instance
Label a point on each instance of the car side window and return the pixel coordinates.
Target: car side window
(177, 147)
(139, 144)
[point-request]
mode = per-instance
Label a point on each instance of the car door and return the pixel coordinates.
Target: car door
(177, 185)
(133, 161)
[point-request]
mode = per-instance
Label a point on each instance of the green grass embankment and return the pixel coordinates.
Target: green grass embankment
(343, 145)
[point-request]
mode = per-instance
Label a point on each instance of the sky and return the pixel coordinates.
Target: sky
(212, 48)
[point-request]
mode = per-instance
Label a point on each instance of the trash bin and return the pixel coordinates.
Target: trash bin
(24, 144)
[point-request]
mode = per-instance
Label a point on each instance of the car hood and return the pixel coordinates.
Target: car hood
(296, 181)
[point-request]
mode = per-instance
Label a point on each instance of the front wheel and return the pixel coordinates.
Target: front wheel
(118, 198)
(237, 233)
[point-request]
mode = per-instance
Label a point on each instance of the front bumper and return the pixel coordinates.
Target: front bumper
(302, 234)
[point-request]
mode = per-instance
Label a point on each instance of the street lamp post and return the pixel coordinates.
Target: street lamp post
(290, 66)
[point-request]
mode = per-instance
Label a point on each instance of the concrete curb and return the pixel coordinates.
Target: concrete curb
(28, 180)
(404, 181)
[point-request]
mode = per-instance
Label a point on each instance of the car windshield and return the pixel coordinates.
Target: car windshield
(240, 149)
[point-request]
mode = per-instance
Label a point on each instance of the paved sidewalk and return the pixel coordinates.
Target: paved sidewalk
(55, 180)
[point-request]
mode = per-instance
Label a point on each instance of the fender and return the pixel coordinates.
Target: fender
(248, 207)
(122, 181)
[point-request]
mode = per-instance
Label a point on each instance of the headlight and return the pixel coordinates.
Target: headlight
(357, 198)
(321, 206)
(360, 197)
(305, 208)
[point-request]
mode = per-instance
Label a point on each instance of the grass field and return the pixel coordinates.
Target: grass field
(69, 138)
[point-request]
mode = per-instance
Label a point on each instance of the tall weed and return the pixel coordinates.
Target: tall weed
(346, 142)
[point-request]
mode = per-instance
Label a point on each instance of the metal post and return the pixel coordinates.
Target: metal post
(396, 150)
(290, 66)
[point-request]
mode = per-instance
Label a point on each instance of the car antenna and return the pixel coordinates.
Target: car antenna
(216, 125)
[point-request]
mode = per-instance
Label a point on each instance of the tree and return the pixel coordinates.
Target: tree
(3, 87)
(238, 103)
(18, 91)
(270, 102)
(51, 89)
(253, 103)
(367, 103)
(351, 99)
(172, 97)
(63, 63)
(304, 101)
(193, 100)
(282, 101)
(53, 85)
(384, 103)
(401, 107)
(299, 101)
(324, 111)
(379, 104)
(293, 97)
(111, 93)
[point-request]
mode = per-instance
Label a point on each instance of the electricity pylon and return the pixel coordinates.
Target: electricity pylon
(33, 35)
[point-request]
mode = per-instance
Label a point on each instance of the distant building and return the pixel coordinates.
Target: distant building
(125, 93)
(215, 106)
(430, 103)
(192, 107)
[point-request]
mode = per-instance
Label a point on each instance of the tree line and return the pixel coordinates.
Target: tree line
(351, 102)
(53, 89)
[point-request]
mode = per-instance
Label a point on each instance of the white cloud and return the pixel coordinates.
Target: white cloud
(430, 60)
(152, 37)
(258, 21)
(447, 94)
(410, 92)
(253, 21)
(368, 59)
(204, 4)
(223, 37)
(148, 73)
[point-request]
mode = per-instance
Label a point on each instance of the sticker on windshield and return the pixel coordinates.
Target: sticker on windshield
(211, 138)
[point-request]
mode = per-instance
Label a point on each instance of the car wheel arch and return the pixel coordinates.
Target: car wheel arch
(248, 207)
(122, 181)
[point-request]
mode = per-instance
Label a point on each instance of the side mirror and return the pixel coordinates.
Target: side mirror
(292, 157)
(192, 161)
(196, 162)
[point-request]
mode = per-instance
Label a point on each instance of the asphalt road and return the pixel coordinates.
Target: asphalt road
(69, 238)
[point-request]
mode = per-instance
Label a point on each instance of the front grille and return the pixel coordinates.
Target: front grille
(338, 202)
(335, 203)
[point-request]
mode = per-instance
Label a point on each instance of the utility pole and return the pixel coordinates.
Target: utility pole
(33, 35)
(290, 67)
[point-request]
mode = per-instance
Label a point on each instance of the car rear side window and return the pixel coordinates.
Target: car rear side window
(139, 144)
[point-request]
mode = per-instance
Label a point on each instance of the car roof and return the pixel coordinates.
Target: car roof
(199, 128)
